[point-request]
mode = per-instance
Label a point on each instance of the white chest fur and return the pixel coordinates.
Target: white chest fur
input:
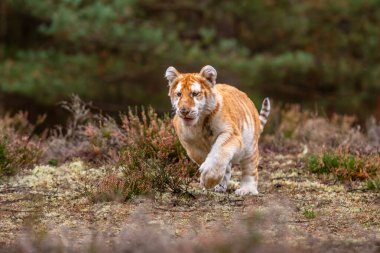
(201, 136)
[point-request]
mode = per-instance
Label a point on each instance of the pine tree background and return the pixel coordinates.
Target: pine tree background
(322, 54)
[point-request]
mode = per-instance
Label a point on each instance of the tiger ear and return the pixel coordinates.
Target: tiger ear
(209, 73)
(171, 74)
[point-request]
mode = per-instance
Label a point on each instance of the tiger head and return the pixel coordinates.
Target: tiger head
(192, 94)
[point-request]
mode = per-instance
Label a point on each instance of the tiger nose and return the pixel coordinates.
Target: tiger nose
(184, 111)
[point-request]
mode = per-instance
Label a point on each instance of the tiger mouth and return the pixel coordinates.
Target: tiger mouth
(186, 118)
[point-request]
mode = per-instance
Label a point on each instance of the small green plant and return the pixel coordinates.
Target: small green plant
(374, 185)
(309, 213)
(330, 161)
(53, 162)
(314, 164)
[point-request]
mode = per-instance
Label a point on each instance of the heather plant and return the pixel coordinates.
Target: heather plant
(335, 145)
(151, 160)
(17, 154)
(89, 136)
(19, 149)
(346, 166)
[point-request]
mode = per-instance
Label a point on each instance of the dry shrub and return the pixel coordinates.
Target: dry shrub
(152, 159)
(373, 132)
(318, 133)
(19, 149)
(291, 119)
(90, 136)
(112, 187)
(64, 144)
(338, 132)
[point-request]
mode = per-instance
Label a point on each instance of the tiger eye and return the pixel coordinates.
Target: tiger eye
(195, 94)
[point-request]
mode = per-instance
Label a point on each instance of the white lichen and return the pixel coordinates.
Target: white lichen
(66, 181)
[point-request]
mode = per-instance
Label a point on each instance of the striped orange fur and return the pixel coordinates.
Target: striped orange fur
(219, 126)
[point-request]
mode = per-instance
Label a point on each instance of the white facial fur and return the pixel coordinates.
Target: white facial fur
(199, 101)
(195, 87)
(200, 104)
(178, 88)
(175, 99)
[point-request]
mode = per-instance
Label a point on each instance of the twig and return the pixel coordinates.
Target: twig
(298, 221)
(357, 190)
(13, 189)
(16, 211)
(13, 201)
(177, 210)
(286, 177)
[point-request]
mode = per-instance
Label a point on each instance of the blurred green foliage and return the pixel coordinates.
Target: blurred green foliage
(116, 51)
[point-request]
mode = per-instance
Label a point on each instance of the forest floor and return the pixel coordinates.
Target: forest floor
(293, 206)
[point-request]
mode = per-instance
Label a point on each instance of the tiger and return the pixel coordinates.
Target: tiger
(218, 126)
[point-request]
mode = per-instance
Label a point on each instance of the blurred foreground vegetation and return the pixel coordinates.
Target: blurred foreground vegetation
(323, 53)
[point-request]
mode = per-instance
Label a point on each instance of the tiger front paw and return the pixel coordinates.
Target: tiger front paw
(210, 175)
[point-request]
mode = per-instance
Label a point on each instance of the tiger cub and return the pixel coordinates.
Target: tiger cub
(219, 126)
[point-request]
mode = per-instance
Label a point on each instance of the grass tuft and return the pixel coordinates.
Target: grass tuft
(309, 213)
(374, 184)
